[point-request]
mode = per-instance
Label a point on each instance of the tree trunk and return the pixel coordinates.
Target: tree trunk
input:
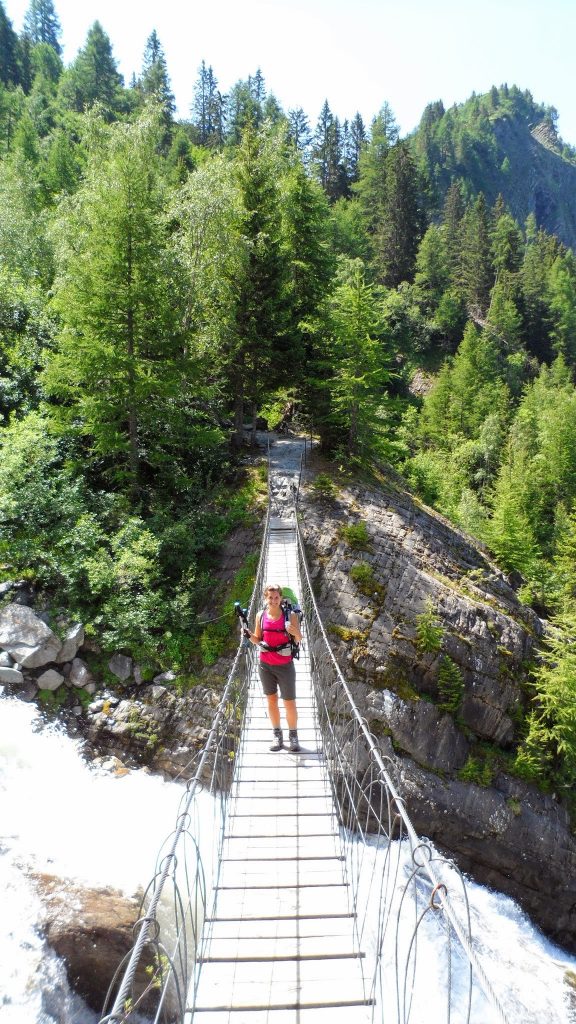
(238, 383)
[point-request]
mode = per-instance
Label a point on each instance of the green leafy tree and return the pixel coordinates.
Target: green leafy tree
(358, 371)
(120, 367)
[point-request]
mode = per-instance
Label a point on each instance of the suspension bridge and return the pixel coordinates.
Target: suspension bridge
(298, 890)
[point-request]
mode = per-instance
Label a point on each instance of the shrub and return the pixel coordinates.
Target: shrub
(450, 685)
(429, 632)
(356, 536)
(476, 771)
(324, 486)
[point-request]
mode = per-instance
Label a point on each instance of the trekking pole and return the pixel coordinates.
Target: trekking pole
(242, 614)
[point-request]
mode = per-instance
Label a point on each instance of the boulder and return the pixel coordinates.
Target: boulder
(72, 642)
(50, 680)
(27, 639)
(91, 929)
(12, 676)
(121, 666)
(80, 675)
(5, 660)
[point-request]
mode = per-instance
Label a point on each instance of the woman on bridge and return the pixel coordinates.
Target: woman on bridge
(276, 667)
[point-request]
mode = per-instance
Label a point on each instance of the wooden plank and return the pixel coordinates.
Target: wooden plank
(280, 983)
(360, 1014)
(282, 847)
(295, 872)
(312, 927)
(272, 805)
(316, 901)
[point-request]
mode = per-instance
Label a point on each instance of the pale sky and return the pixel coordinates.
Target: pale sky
(354, 53)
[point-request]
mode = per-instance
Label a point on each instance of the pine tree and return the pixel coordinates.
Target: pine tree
(41, 24)
(208, 109)
(475, 274)
(400, 229)
(261, 313)
(327, 154)
(358, 372)
(307, 254)
(452, 216)
(540, 253)
(93, 77)
(299, 130)
(562, 299)
(154, 81)
(358, 139)
(240, 111)
(9, 74)
(371, 185)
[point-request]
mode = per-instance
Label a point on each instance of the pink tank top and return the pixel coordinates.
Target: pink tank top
(274, 633)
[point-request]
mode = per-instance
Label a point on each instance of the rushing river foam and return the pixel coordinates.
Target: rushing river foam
(61, 816)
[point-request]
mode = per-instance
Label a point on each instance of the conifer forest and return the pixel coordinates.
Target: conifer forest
(165, 281)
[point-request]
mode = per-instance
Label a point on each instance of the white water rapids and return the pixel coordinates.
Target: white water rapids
(59, 815)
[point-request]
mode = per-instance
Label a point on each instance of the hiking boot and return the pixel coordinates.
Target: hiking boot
(278, 740)
(294, 744)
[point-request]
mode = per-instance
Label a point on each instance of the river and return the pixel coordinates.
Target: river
(62, 816)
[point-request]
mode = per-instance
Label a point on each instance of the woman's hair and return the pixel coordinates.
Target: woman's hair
(272, 586)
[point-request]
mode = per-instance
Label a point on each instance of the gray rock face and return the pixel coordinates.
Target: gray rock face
(72, 642)
(419, 728)
(508, 835)
(416, 560)
(27, 639)
(159, 730)
(5, 660)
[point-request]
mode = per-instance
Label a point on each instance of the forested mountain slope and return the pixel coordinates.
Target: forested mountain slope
(502, 143)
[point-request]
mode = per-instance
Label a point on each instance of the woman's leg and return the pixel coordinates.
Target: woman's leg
(291, 714)
(273, 710)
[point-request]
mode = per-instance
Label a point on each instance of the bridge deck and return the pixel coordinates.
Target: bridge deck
(281, 945)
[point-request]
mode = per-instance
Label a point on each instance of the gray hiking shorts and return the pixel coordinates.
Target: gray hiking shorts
(274, 677)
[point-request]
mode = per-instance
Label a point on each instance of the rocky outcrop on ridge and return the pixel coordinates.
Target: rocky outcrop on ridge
(451, 766)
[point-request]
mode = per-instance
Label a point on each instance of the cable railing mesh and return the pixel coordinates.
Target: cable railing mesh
(400, 886)
(155, 982)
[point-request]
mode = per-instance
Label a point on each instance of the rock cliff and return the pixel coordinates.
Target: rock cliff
(382, 565)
